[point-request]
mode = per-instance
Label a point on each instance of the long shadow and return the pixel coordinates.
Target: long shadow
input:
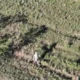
(78, 62)
(70, 42)
(30, 37)
(5, 20)
(67, 35)
(47, 50)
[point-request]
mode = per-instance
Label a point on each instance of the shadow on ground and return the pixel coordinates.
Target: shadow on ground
(29, 37)
(5, 20)
(47, 50)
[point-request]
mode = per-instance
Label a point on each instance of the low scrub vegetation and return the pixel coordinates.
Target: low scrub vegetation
(50, 27)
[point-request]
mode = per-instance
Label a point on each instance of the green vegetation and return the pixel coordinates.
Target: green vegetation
(33, 23)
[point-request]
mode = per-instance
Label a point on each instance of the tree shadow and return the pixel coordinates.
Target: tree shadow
(29, 37)
(5, 20)
(70, 42)
(78, 62)
(47, 50)
(73, 37)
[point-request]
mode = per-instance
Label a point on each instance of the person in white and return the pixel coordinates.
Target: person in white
(35, 58)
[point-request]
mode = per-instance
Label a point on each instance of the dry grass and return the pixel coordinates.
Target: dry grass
(20, 27)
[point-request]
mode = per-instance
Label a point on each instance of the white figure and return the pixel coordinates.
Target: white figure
(35, 58)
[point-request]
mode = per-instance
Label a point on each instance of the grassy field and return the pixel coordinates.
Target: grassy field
(51, 27)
